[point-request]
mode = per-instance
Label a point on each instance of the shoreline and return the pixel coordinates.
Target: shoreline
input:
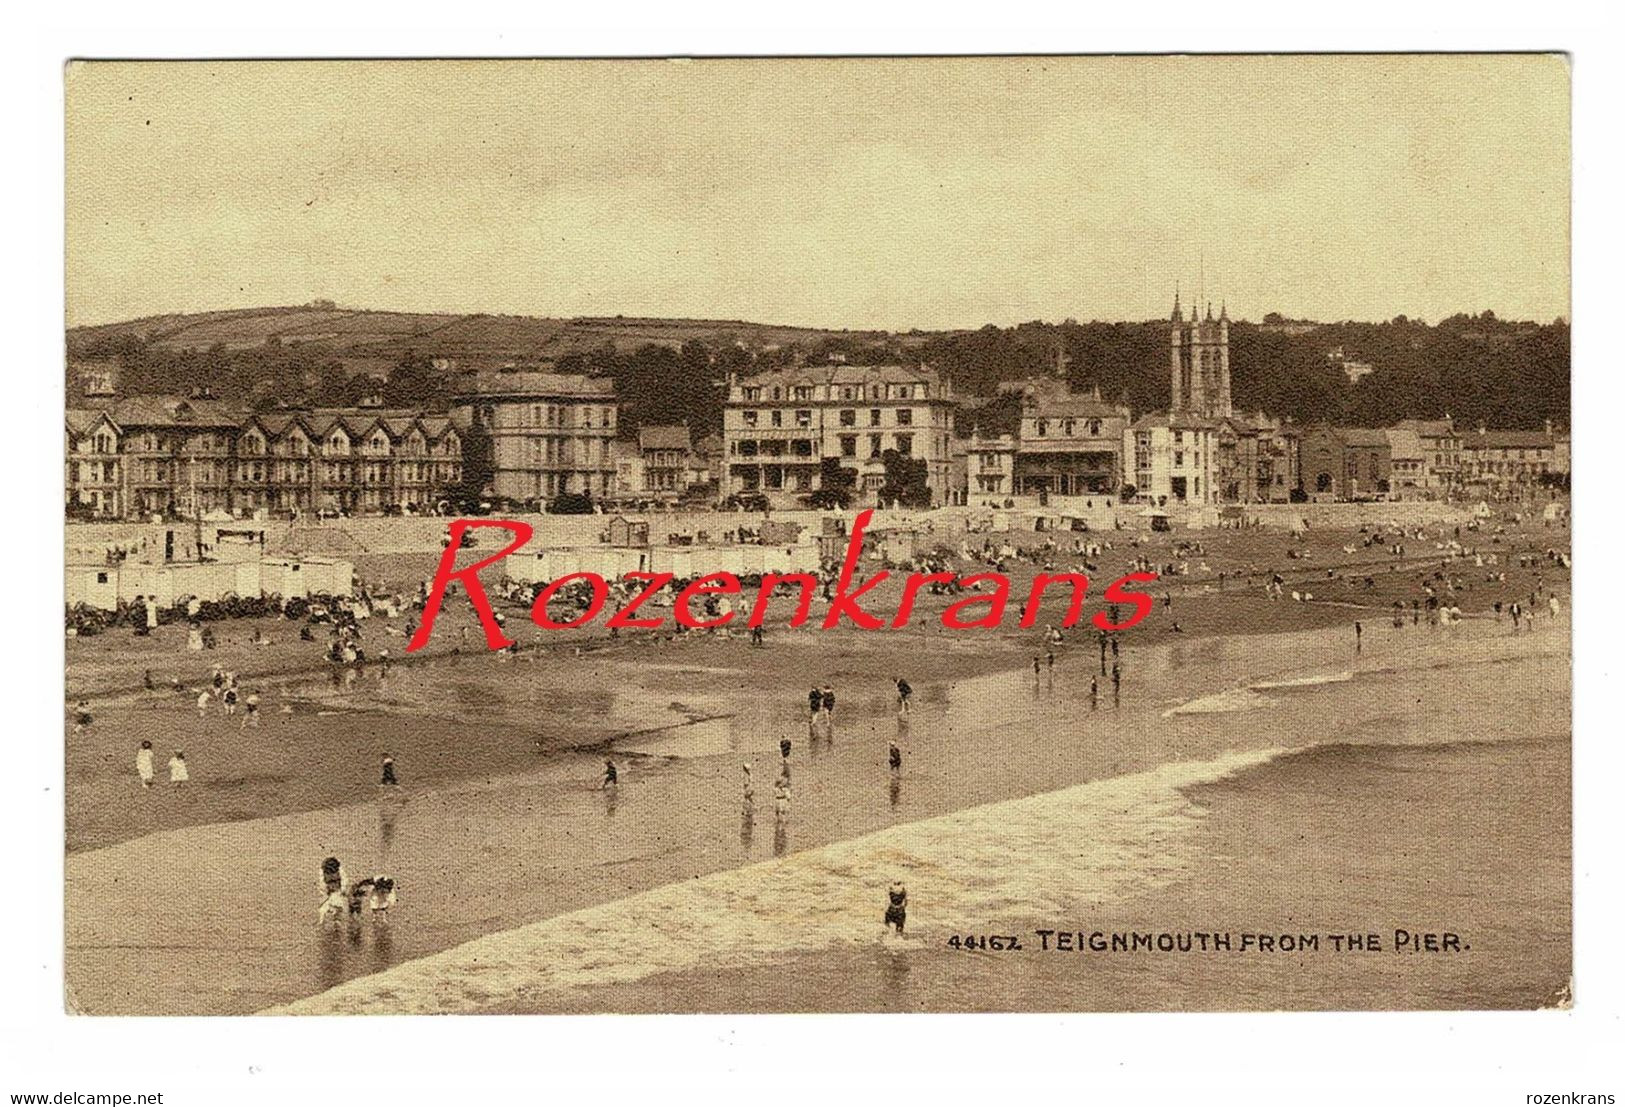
(554, 806)
(530, 969)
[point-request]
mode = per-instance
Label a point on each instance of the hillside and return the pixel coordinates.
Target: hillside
(387, 334)
(1476, 368)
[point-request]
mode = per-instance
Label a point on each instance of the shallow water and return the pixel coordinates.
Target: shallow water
(1070, 805)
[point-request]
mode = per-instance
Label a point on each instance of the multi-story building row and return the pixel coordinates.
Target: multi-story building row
(545, 434)
(171, 455)
(1502, 461)
(1427, 458)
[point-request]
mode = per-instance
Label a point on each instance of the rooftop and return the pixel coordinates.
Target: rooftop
(525, 383)
(674, 437)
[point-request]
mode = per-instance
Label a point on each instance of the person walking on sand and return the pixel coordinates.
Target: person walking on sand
(143, 763)
(750, 788)
(815, 700)
(1359, 633)
(203, 703)
(251, 711)
(612, 778)
(388, 777)
(904, 694)
(826, 699)
(896, 906)
(895, 758)
(1094, 693)
(781, 796)
(177, 769)
(1117, 684)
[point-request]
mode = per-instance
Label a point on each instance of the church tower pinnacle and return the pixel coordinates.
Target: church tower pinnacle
(1199, 362)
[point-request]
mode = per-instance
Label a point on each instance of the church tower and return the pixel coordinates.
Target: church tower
(1199, 362)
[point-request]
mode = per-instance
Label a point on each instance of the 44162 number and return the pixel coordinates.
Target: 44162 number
(986, 943)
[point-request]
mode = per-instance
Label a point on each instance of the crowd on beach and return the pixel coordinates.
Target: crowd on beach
(337, 630)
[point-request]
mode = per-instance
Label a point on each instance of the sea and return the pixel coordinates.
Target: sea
(1257, 822)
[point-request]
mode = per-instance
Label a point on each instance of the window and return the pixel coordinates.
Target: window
(778, 417)
(803, 419)
(1069, 427)
(1094, 427)
(1179, 438)
(905, 417)
(874, 445)
(905, 444)
(849, 418)
(849, 445)
(803, 392)
(874, 417)
(753, 393)
(1179, 458)
(1043, 428)
(750, 418)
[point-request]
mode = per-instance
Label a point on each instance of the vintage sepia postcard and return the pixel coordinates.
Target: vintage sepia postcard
(973, 534)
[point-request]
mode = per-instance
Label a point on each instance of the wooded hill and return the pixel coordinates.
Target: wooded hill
(1476, 368)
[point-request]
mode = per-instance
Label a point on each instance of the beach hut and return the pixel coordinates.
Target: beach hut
(93, 585)
(1157, 518)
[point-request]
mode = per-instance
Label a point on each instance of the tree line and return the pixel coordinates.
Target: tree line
(1475, 368)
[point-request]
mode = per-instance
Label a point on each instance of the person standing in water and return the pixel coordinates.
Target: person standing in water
(143, 763)
(334, 888)
(781, 796)
(897, 906)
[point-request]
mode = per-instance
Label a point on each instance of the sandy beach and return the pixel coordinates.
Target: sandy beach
(201, 899)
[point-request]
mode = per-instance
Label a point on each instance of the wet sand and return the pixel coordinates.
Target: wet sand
(202, 899)
(1388, 824)
(219, 918)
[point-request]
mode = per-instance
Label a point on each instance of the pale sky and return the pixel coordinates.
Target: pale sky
(857, 193)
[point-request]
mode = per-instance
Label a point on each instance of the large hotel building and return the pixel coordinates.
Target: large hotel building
(779, 426)
(550, 434)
